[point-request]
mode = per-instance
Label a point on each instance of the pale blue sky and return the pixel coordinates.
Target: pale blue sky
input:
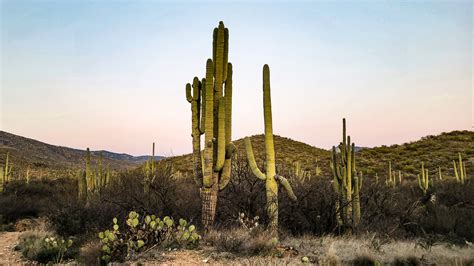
(111, 74)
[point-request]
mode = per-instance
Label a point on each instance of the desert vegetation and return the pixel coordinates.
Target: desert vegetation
(409, 204)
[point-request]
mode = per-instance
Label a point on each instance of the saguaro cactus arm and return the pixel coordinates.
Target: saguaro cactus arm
(284, 182)
(221, 135)
(251, 158)
(209, 126)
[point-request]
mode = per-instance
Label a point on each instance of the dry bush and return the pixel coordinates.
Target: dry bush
(240, 241)
(90, 253)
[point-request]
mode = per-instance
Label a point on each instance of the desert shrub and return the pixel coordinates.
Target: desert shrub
(166, 197)
(35, 199)
(365, 261)
(409, 261)
(43, 246)
(142, 233)
(90, 253)
(240, 241)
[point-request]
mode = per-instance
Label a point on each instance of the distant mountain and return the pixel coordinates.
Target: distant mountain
(125, 157)
(33, 154)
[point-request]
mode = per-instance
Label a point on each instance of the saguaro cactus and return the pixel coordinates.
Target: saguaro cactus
(391, 181)
(270, 177)
(5, 173)
(149, 171)
(347, 184)
(460, 171)
(92, 181)
(211, 109)
(423, 179)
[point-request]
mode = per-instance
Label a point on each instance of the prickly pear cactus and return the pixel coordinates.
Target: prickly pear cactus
(144, 232)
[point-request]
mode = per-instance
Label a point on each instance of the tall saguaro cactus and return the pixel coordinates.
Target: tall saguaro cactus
(347, 184)
(270, 177)
(211, 109)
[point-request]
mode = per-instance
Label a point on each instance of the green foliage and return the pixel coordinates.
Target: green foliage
(43, 247)
(143, 233)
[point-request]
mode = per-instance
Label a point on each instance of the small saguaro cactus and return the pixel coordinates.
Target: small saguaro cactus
(92, 181)
(301, 174)
(5, 173)
(391, 181)
(270, 177)
(346, 183)
(440, 175)
(423, 179)
(460, 170)
(211, 109)
(149, 171)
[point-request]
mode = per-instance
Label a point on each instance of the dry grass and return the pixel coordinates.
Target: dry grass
(349, 249)
(240, 241)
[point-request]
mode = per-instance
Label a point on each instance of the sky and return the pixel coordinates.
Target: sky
(111, 74)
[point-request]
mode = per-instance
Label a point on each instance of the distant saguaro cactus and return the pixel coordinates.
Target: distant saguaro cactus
(211, 109)
(391, 181)
(149, 171)
(346, 183)
(5, 173)
(423, 179)
(460, 171)
(92, 181)
(270, 177)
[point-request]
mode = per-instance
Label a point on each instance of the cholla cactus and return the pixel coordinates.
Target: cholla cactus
(271, 178)
(423, 179)
(347, 183)
(460, 171)
(211, 108)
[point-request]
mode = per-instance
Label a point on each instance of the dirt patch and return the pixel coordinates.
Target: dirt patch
(8, 241)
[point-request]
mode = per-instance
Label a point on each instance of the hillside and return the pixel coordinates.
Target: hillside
(288, 152)
(434, 151)
(39, 156)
